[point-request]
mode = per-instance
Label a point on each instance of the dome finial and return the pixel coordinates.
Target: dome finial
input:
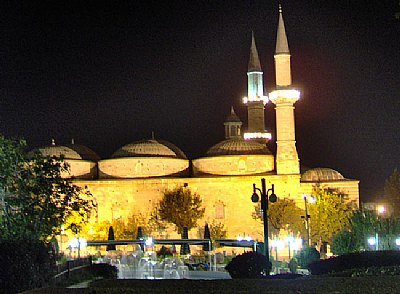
(53, 142)
(72, 141)
(280, 8)
(152, 135)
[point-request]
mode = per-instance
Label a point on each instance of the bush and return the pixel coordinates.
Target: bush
(251, 265)
(356, 260)
(293, 265)
(24, 265)
(164, 252)
(104, 270)
(306, 256)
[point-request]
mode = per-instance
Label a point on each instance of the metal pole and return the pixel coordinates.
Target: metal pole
(209, 255)
(264, 207)
(307, 225)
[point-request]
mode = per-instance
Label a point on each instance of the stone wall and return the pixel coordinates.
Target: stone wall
(226, 199)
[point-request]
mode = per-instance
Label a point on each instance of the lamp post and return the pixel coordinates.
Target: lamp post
(307, 217)
(265, 198)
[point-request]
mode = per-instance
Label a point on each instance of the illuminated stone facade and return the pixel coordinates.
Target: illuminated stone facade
(137, 174)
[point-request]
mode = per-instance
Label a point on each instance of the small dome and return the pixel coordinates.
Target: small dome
(149, 148)
(238, 146)
(320, 174)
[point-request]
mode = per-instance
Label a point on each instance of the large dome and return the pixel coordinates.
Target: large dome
(58, 151)
(238, 146)
(320, 174)
(235, 156)
(149, 148)
(81, 159)
(68, 151)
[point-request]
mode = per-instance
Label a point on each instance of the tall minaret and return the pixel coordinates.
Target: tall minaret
(255, 99)
(284, 97)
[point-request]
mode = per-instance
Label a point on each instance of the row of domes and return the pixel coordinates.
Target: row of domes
(155, 158)
(154, 148)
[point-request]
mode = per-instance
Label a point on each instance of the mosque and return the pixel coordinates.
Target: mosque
(134, 178)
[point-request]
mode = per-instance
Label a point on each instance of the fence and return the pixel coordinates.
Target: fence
(70, 268)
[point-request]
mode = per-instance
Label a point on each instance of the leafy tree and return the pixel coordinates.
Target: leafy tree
(217, 230)
(328, 214)
(391, 192)
(35, 199)
(343, 242)
(282, 214)
(363, 225)
(155, 224)
(181, 207)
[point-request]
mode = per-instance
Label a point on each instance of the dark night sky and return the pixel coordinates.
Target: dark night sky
(110, 73)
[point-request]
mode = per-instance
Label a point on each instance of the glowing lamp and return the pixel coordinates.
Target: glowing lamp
(372, 241)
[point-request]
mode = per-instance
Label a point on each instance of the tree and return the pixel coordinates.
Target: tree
(282, 214)
(217, 230)
(35, 199)
(328, 214)
(366, 224)
(181, 207)
(344, 242)
(391, 192)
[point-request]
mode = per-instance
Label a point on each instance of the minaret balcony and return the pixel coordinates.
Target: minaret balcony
(263, 99)
(284, 96)
(257, 135)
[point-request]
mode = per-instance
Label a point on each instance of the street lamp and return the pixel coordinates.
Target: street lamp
(374, 242)
(265, 197)
(307, 217)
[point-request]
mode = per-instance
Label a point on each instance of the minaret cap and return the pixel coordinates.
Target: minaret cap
(254, 61)
(282, 46)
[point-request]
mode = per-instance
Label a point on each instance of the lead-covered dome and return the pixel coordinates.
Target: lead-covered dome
(235, 156)
(238, 146)
(58, 151)
(321, 174)
(145, 159)
(149, 148)
(81, 159)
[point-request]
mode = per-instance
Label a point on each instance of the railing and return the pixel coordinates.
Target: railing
(65, 271)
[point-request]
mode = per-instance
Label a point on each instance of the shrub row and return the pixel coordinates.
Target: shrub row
(363, 259)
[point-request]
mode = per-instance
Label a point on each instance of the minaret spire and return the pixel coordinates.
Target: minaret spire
(284, 98)
(254, 60)
(255, 99)
(282, 45)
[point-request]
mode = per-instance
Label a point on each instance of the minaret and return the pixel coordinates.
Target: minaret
(232, 125)
(255, 99)
(284, 97)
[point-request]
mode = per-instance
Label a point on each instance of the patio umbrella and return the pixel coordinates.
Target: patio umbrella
(207, 235)
(139, 236)
(110, 237)
(185, 249)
